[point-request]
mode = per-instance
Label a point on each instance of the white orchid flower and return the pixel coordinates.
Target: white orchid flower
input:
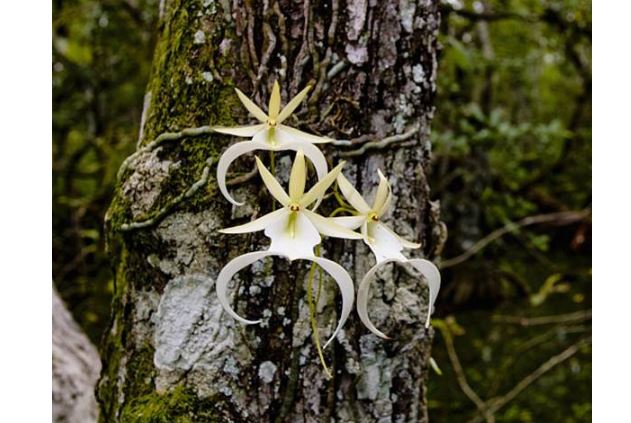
(294, 231)
(270, 134)
(384, 243)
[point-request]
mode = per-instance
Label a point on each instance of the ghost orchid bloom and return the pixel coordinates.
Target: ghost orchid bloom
(385, 244)
(294, 231)
(270, 134)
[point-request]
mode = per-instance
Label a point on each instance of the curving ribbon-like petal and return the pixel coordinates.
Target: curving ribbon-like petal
(257, 224)
(272, 184)
(328, 227)
(252, 108)
(362, 298)
(293, 104)
(425, 267)
(432, 276)
(226, 274)
(318, 190)
(228, 157)
(337, 272)
(381, 197)
(352, 195)
(298, 176)
(274, 102)
(294, 236)
(247, 131)
(292, 134)
(350, 222)
(345, 283)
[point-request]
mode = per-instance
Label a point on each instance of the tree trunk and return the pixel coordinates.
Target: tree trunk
(171, 353)
(76, 367)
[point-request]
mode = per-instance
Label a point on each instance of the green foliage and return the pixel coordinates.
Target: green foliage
(101, 61)
(511, 140)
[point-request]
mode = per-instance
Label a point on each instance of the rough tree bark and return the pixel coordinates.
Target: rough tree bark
(171, 353)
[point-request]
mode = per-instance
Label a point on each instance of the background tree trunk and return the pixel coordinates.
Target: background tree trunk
(76, 367)
(171, 353)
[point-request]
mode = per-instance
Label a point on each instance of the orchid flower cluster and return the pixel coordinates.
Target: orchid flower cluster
(295, 229)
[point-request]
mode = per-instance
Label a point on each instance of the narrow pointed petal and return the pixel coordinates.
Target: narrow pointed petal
(352, 196)
(383, 243)
(298, 176)
(293, 104)
(432, 276)
(386, 205)
(350, 222)
(293, 134)
(226, 274)
(362, 298)
(314, 154)
(345, 283)
(247, 131)
(294, 236)
(328, 227)
(272, 184)
(257, 224)
(383, 192)
(228, 157)
(252, 108)
(404, 242)
(274, 102)
(318, 190)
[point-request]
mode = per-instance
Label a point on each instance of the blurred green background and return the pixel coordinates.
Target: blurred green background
(511, 167)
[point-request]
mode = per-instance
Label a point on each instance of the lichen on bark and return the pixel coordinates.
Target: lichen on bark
(171, 353)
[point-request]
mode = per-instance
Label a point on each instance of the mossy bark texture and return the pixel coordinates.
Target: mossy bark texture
(172, 354)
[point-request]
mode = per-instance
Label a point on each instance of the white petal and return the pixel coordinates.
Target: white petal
(404, 242)
(318, 190)
(293, 236)
(240, 131)
(294, 134)
(264, 137)
(350, 222)
(432, 276)
(352, 196)
(252, 108)
(314, 154)
(345, 283)
(383, 192)
(383, 243)
(274, 101)
(272, 184)
(328, 227)
(427, 268)
(228, 157)
(226, 275)
(257, 224)
(298, 176)
(291, 106)
(362, 298)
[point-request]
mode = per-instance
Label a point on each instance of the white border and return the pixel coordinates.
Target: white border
(25, 211)
(612, 210)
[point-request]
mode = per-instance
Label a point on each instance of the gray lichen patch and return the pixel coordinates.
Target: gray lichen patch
(267, 370)
(190, 326)
(191, 234)
(143, 187)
